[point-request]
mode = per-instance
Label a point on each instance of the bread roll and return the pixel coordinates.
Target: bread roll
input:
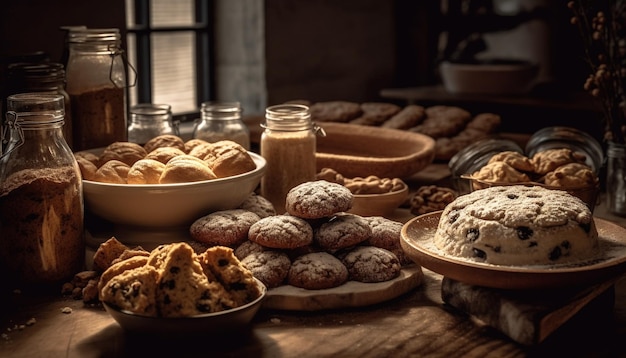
(145, 171)
(186, 168)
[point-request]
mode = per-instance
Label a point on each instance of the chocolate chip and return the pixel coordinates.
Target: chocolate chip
(586, 227)
(174, 269)
(222, 262)
(566, 245)
(555, 254)
(512, 196)
(524, 232)
(472, 234)
(532, 244)
(479, 253)
(453, 217)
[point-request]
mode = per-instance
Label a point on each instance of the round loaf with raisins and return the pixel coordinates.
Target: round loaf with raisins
(518, 225)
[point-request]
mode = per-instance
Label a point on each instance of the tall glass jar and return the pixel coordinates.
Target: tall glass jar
(149, 120)
(41, 77)
(96, 83)
(288, 144)
(220, 121)
(41, 195)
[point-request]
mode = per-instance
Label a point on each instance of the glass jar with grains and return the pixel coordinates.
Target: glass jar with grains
(288, 144)
(149, 120)
(41, 77)
(222, 121)
(41, 196)
(96, 83)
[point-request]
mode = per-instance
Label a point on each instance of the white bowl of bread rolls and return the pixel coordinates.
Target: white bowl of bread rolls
(167, 183)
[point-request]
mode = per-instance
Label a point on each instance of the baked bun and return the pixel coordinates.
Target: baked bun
(518, 225)
(186, 168)
(228, 158)
(164, 140)
(192, 143)
(113, 171)
(126, 152)
(87, 168)
(145, 171)
(550, 159)
(164, 154)
(571, 175)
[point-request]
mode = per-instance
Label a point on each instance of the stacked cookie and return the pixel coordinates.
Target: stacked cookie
(453, 128)
(315, 245)
(174, 281)
(165, 159)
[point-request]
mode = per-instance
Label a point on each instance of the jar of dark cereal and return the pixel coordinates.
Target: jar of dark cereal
(41, 196)
(96, 83)
(149, 120)
(222, 121)
(288, 144)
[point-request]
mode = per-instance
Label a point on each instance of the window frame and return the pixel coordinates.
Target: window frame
(204, 34)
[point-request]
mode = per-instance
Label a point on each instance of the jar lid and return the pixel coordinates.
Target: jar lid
(80, 35)
(36, 107)
(35, 71)
(221, 110)
(477, 154)
(288, 117)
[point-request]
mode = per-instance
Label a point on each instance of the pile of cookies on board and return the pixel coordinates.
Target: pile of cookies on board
(315, 245)
(453, 128)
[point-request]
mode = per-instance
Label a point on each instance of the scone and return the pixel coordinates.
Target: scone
(133, 290)
(517, 225)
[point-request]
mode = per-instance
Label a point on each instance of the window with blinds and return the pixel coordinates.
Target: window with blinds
(169, 48)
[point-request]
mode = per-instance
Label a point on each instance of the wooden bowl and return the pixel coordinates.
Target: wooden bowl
(378, 204)
(360, 151)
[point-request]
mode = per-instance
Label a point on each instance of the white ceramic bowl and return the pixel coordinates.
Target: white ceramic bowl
(229, 321)
(378, 204)
(158, 206)
(488, 78)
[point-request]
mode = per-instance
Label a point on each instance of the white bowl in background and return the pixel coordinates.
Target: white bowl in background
(497, 78)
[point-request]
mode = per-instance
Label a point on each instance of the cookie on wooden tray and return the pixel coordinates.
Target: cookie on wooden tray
(225, 227)
(335, 111)
(342, 231)
(258, 205)
(376, 113)
(246, 248)
(371, 264)
(316, 271)
(409, 116)
(518, 225)
(318, 199)
(269, 266)
(386, 234)
(281, 232)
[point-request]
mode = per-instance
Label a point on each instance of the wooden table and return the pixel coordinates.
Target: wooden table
(415, 324)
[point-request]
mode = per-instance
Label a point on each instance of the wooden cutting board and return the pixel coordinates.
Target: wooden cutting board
(350, 294)
(527, 317)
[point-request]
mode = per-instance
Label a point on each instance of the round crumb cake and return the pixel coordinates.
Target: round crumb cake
(518, 225)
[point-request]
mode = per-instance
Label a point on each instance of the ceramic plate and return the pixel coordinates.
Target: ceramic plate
(236, 319)
(417, 242)
(350, 294)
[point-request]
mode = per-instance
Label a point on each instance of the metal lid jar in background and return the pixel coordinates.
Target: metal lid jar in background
(41, 195)
(567, 137)
(474, 157)
(222, 121)
(96, 83)
(41, 77)
(149, 120)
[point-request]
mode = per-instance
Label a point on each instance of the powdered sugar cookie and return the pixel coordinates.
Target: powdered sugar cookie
(316, 271)
(270, 267)
(226, 227)
(318, 199)
(341, 231)
(371, 264)
(281, 232)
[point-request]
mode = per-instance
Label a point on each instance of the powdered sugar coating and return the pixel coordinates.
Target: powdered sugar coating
(386, 235)
(371, 264)
(318, 199)
(316, 271)
(269, 266)
(517, 225)
(341, 231)
(281, 232)
(258, 205)
(225, 228)
(246, 248)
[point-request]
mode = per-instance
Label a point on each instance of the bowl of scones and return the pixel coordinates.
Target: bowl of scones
(167, 182)
(555, 168)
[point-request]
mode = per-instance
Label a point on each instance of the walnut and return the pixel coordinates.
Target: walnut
(431, 198)
(330, 175)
